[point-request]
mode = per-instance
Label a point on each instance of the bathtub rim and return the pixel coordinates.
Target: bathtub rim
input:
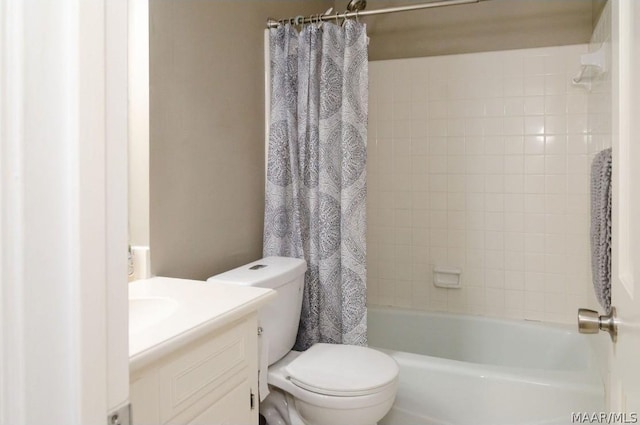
(592, 368)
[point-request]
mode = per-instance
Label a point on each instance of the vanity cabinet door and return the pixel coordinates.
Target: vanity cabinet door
(232, 409)
(208, 382)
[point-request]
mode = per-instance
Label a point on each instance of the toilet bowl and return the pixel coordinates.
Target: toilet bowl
(328, 384)
(334, 384)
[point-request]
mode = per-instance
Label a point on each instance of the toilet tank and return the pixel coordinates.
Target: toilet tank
(279, 319)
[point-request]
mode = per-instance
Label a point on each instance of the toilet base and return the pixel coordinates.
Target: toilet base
(280, 408)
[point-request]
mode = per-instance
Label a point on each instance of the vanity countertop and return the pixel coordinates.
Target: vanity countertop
(167, 313)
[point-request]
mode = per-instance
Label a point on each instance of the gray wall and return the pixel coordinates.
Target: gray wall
(207, 132)
(485, 26)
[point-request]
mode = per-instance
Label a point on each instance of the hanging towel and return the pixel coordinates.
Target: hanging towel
(601, 227)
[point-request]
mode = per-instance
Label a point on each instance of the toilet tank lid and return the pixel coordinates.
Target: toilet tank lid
(268, 272)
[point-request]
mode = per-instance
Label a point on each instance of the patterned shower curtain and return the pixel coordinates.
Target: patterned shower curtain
(316, 173)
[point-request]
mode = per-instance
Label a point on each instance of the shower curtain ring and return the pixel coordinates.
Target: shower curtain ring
(299, 20)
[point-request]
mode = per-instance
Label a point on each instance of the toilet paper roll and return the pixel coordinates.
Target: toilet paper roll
(263, 364)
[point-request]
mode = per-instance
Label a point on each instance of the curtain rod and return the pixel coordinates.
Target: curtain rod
(299, 20)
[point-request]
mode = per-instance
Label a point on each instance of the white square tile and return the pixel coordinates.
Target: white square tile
(534, 125)
(534, 301)
(555, 144)
(512, 64)
(556, 184)
(514, 261)
(456, 201)
(455, 146)
(494, 164)
(577, 164)
(474, 126)
(554, 283)
(534, 243)
(513, 125)
(494, 183)
(534, 64)
(534, 164)
(555, 164)
(534, 183)
(456, 220)
(475, 182)
(402, 129)
(514, 222)
(494, 145)
(437, 164)
(555, 244)
(494, 202)
(514, 241)
(555, 104)
(514, 106)
(494, 260)
(437, 128)
(514, 164)
(555, 124)
(493, 126)
(438, 182)
(419, 183)
(494, 240)
(554, 64)
(514, 300)
(555, 84)
(534, 203)
(475, 257)
(475, 220)
(534, 145)
(514, 184)
(534, 105)
(514, 86)
(577, 124)
(474, 145)
(494, 278)
(475, 239)
(534, 85)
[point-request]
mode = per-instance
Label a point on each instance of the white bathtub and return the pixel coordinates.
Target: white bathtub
(467, 370)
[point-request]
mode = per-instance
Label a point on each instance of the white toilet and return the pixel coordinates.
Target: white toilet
(326, 385)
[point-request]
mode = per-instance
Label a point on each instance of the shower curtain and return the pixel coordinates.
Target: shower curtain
(316, 173)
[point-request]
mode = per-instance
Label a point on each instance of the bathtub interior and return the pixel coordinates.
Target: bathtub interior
(481, 340)
(462, 370)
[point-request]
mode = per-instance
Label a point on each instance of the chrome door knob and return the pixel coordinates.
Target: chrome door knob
(589, 322)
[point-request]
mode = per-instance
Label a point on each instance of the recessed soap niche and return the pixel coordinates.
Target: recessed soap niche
(447, 277)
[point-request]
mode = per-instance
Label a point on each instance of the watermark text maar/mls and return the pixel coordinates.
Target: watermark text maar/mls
(604, 418)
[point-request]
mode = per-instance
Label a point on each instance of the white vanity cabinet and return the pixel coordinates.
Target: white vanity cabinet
(210, 381)
(193, 352)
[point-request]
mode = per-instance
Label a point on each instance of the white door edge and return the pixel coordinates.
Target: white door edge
(63, 308)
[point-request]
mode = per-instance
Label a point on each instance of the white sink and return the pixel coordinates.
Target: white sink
(147, 311)
(167, 313)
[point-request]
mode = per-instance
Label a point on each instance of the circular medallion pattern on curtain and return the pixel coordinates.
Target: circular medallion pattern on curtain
(315, 206)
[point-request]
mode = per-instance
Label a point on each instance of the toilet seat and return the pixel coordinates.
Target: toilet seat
(317, 408)
(343, 370)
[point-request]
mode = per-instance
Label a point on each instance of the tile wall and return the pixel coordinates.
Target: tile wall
(480, 162)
